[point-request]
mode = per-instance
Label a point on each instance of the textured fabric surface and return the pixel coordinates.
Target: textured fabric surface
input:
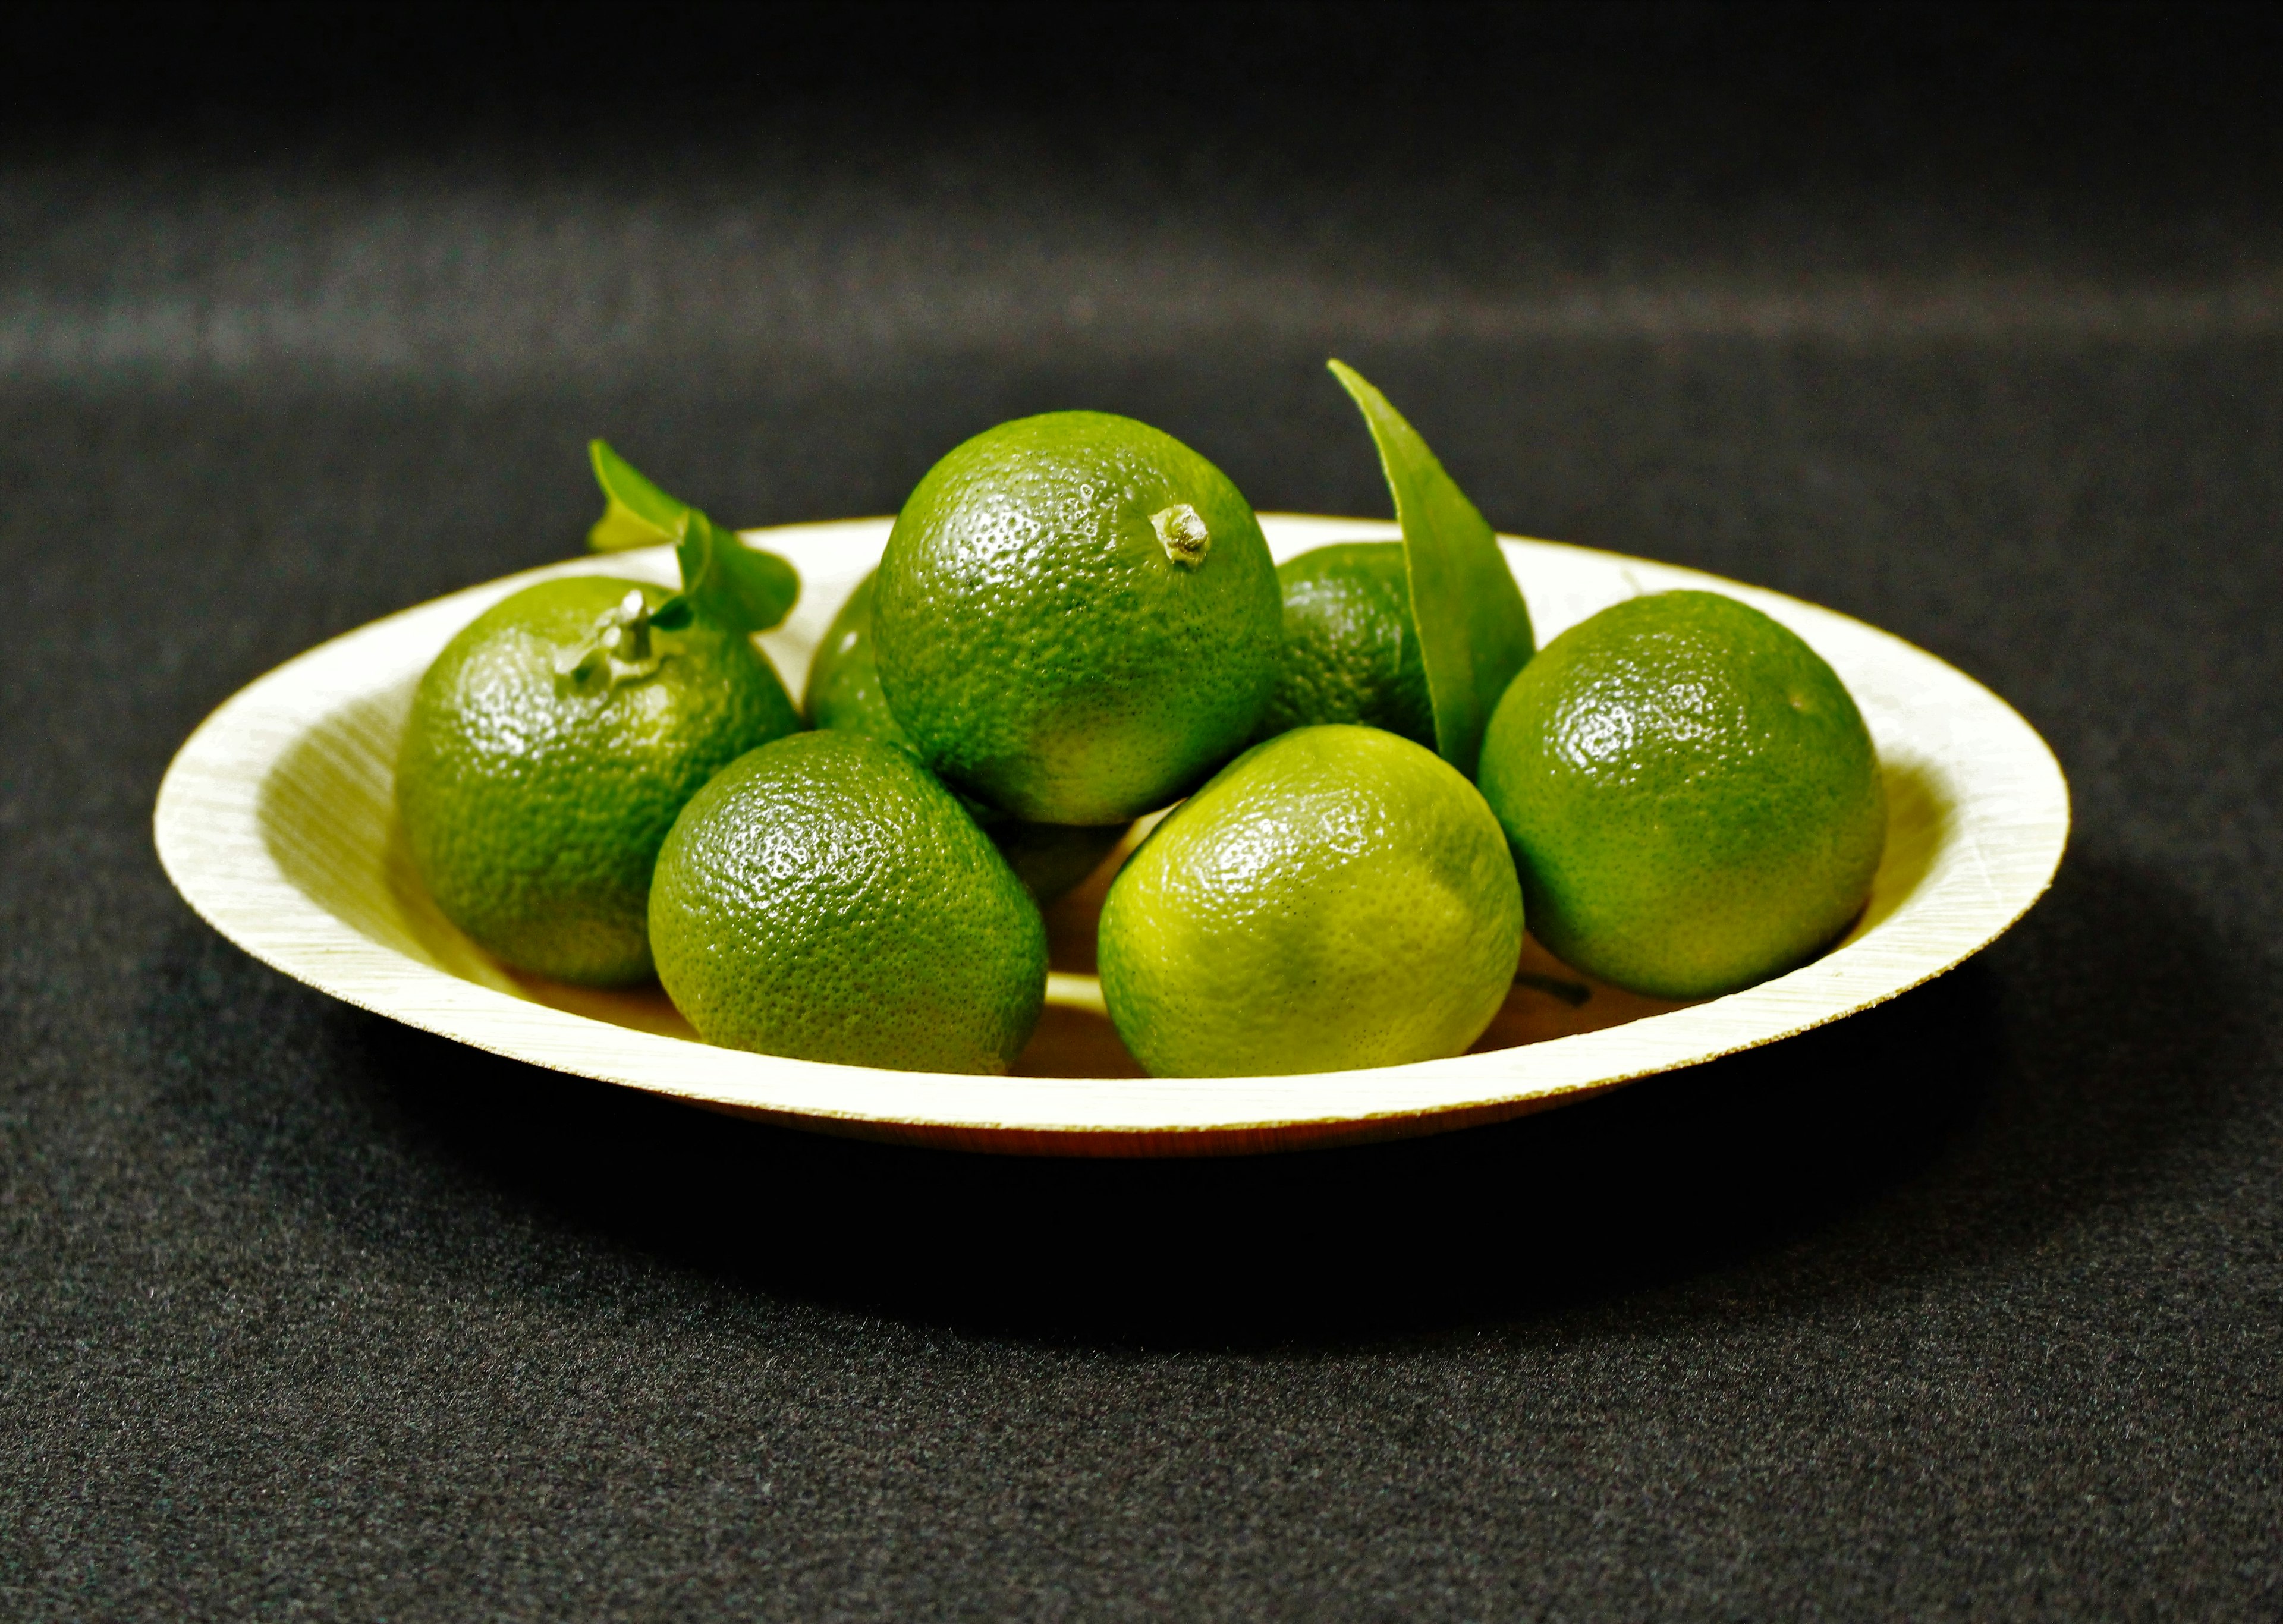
(1971, 1307)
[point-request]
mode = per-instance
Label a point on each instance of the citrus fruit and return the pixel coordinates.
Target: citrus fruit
(1351, 647)
(1050, 858)
(1693, 798)
(844, 677)
(1077, 618)
(1336, 896)
(549, 747)
(844, 693)
(824, 898)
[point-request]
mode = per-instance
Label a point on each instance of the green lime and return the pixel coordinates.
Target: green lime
(1077, 618)
(844, 693)
(844, 677)
(1350, 649)
(1050, 858)
(825, 898)
(1693, 798)
(549, 747)
(1337, 896)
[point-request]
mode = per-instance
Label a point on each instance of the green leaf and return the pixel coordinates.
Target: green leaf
(730, 584)
(1474, 627)
(636, 513)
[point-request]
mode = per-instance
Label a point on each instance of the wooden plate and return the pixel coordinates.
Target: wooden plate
(276, 822)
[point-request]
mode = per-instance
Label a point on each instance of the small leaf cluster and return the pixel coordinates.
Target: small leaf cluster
(724, 582)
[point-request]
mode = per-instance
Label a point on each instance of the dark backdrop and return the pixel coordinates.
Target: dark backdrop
(1966, 321)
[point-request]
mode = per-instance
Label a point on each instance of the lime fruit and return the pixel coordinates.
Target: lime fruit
(1077, 618)
(1050, 858)
(844, 693)
(1692, 795)
(549, 747)
(1350, 646)
(1337, 896)
(844, 677)
(825, 898)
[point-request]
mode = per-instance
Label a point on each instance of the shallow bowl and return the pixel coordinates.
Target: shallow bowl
(276, 822)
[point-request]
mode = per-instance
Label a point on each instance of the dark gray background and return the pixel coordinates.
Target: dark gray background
(1967, 323)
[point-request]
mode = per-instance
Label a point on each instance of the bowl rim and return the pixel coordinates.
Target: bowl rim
(2000, 843)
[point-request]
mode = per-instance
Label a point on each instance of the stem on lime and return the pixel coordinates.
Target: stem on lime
(618, 643)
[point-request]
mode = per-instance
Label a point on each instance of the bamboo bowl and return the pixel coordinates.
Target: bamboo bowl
(276, 822)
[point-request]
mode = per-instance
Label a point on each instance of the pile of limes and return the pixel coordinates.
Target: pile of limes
(1076, 622)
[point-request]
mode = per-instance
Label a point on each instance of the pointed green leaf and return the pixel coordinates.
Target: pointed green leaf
(636, 513)
(1474, 627)
(732, 584)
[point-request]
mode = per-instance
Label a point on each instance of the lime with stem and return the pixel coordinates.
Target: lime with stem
(552, 743)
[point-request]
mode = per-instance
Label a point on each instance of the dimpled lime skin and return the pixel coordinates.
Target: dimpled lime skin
(534, 805)
(1692, 795)
(1350, 646)
(844, 693)
(844, 677)
(1040, 643)
(1337, 896)
(824, 898)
